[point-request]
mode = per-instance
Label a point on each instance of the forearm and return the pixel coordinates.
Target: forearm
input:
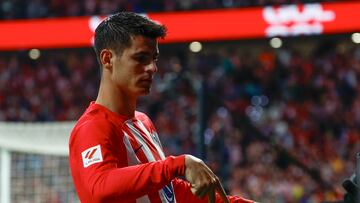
(136, 181)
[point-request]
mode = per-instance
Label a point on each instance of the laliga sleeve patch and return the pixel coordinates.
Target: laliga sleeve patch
(91, 156)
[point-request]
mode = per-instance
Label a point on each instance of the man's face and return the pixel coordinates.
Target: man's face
(133, 69)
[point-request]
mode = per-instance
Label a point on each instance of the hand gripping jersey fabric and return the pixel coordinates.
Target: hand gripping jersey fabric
(118, 159)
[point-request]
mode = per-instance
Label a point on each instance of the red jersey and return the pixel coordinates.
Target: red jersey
(118, 159)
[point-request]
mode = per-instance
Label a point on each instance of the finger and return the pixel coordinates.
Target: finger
(222, 193)
(205, 190)
(211, 195)
(205, 183)
(212, 175)
(219, 187)
(209, 171)
(201, 192)
(193, 190)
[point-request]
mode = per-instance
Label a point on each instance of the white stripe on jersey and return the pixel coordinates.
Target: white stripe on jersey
(148, 153)
(150, 157)
(131, 156)
(157, 138)
(133, 160)
(156, 144)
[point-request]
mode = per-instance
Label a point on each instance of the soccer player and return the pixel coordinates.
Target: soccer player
(115, 151)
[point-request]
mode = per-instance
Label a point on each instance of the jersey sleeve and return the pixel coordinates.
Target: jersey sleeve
(101, 177)
(183, 193)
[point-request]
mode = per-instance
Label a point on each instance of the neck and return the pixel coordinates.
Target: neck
(116, 100)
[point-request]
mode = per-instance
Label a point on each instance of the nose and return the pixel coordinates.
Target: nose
(152, 67)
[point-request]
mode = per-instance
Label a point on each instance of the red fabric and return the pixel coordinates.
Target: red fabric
(114, 179)
(182, 189)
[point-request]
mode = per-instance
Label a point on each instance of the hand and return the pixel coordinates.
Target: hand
(202, 180)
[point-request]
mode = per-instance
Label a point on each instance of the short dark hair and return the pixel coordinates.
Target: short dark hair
(116, 30)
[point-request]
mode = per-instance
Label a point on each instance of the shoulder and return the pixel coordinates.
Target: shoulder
(93, 126)
(144, 119)
(142, 116)
(93, 119)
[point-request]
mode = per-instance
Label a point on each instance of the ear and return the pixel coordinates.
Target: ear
(105, 59)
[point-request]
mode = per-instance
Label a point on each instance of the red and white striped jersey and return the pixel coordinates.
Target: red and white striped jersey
(118, 159)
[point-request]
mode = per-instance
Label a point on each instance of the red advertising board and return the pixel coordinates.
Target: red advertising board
(287, 20)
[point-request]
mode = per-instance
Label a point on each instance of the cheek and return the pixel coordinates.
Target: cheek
(138, 69)
(119, 77)
(127, 73)
(126, 77)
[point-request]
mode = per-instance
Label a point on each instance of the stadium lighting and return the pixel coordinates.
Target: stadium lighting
(34, 54)
(355, 37)
(275, 42)
(195, 46)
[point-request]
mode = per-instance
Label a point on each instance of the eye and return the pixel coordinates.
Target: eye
(143, 59)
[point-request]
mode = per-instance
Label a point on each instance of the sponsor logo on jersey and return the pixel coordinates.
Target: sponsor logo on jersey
(137, 149)
(91, 156)
(169, 193)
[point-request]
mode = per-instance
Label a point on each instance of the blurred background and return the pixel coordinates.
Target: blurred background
(277, 117)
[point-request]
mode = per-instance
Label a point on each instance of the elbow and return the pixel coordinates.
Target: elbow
(101, 191)
(98, 190)
(105, 197)
(99, 197)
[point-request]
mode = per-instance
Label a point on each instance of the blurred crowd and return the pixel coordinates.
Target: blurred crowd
(55, 88)
(281, 125)
(19, 9)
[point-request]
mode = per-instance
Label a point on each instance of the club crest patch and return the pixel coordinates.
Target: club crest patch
(91, 156)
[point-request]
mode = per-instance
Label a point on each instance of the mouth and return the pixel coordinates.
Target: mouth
(146, 81)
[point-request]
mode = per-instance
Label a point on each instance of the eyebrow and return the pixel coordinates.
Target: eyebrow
(146, 53)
